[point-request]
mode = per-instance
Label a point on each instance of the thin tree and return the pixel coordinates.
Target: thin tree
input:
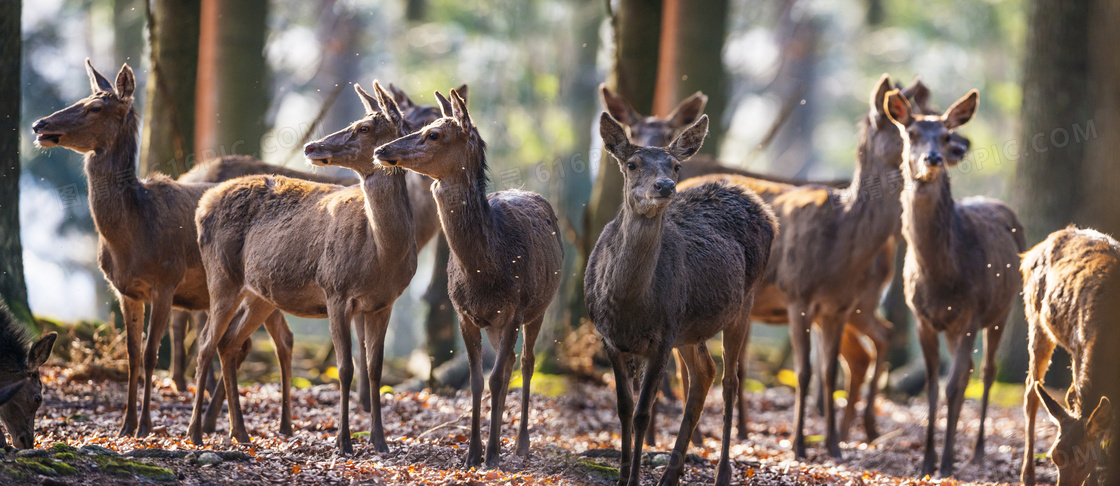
(168, 139)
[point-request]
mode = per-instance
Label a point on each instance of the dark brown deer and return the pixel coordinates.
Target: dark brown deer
(505, 260)
(670, 272)
(311, 250)
(1070, 286)
(959, 270)
(146, 238)
(21, 389)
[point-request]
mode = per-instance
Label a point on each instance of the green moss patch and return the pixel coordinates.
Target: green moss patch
(600, 470)
(127, 468)
(47, 466)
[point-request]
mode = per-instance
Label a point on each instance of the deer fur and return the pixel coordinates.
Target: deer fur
(147, 246)
(505, 262)
(1070, 286)
(651, 285)
(21, 389)
(960, 265)
(311, 250)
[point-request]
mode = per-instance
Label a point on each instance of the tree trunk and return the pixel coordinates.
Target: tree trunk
(691, 60)
(13, 288)
(233, 92)
(441, 321)
(169, 114)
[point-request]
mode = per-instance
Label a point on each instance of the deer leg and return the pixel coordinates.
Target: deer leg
(179, 319)
(218, 394)
(339, 316)
(157, 327)
(1041, 349)
(376, 324)
(651, 379)
(880, 333)
(698, 363)
(282, 338)
(800, 338)
(232, 349)
(741, 401)
(504, 338)
(133, 312)
(832, 332)
(222, 310)
(528, 363)
(625, 414)
(954, 394)
(364, 393)
(927, 337)
(992, 337)
(735, 339)
(213, 381)
(472, 341)
(856, 361)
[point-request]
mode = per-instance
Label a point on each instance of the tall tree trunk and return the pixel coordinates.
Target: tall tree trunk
(13, 288)
(233, 92)
(691, 60)
(441, 321)
(169, 114)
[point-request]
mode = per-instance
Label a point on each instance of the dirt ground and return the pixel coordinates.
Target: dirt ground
(574, 441)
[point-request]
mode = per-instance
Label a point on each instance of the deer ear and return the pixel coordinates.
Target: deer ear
(1101, 418)
(444, 105)
(7, 392)
(688, 111)
(463, 90)
(389, 108)
(40, 351)
(401, 98)
(618, 107)
(919, 93)
(459, 110)
(961, 111)
(614, 138)
(126, 83)
(1057, 413)
(879, 95)
(368, 101)
(690, 140)
(898, 109)
(97, 82)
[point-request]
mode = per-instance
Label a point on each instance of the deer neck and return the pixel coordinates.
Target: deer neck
(114, 190)
(637, 248)
(930, 226)
(388, 211)
(871, 202)
(468, 224)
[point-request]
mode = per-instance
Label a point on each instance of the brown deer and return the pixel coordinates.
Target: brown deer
(311, 250)
(21, 389)
(146, 238)
(1070, 286)
(670, 272)
(959, 270)
(505, 259)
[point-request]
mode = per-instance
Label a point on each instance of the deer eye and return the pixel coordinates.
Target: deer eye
(631, 166)
(38, 399)
(363, 129)
(945, 138)
(433, 136)
(914, 134)
(94, 109)
(677, 168)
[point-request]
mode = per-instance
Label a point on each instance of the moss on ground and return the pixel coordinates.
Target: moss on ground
(600, 470)
(119, 466)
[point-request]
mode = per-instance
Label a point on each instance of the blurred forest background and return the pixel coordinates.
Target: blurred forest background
(787, 81)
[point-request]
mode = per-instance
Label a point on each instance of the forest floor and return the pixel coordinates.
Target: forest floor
(574, 441)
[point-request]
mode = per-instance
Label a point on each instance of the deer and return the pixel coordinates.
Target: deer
(879, 148)
(21, 389)
(1070, 284)
(229, 167)
(313, 250)
(506, 256)
(958, 270)
(147, 246)
(650, 285)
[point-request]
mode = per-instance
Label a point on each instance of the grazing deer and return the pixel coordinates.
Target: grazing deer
(670, 272)
(147, 246)
(312, 250)
(505, 259)
(1070, 286)
(21, 389)
(959, 270)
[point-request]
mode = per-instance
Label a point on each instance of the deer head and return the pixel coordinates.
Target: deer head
(94, 121)
(1077, 450)
(918, 93)
(353, 146)
(21, 389)
(417, 115)
(446, 147)
(652, 131)
(927, 139)
(650, 174)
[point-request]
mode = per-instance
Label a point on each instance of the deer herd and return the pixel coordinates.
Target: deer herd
(697, 249)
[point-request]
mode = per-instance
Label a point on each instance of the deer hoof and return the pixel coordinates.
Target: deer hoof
(345, 447)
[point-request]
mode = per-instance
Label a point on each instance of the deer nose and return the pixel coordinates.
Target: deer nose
(665, 187)
(934, 159)
(39, 125)
(307, 149)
